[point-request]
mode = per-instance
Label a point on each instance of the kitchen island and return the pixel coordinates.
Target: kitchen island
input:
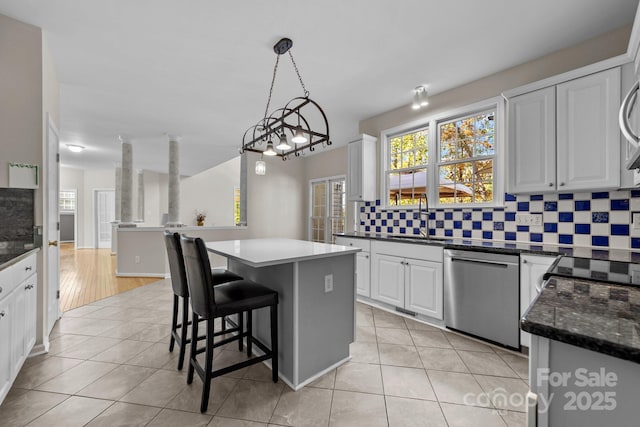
(316, 312)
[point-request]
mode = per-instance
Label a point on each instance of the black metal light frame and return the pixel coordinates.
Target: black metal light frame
(288, 119)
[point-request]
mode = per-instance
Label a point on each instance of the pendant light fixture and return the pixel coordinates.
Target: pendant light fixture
(294, 118)
(283, 145)
(420, 98)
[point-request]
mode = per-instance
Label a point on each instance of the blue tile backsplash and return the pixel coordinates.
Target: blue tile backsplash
(599, 219)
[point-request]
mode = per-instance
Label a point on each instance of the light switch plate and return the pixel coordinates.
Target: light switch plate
(634, 230)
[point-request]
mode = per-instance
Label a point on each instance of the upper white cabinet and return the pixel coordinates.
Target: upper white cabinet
(361, 173)
(566, 137)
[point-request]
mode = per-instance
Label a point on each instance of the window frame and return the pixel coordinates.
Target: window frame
(414, 168)
(433, 122)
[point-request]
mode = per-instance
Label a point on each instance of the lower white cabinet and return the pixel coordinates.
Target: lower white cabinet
(532, 269)
(18, 305)
(363, 263)
(408, 276)
(5, 348)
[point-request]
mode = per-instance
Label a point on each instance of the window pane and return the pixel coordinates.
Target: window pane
(465, 149)
(484, 146)
(484, 170)
(483, 191)
(465, 128)
(447, 174)
(464, 172)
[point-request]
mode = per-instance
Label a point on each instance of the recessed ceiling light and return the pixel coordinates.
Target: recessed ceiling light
(75, 148)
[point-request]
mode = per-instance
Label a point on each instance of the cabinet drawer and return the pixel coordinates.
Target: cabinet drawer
(23, 269)
(364, 244)
(7, 283)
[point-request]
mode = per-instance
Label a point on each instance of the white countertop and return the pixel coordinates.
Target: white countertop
(264, 252)
(185, 228)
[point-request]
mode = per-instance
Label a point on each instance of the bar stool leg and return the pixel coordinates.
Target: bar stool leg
(240, 330)
(194, 347)
(183, 334)
(223, 320)
(174, 322)
(274, 343)
(208, 366)
(249, 331)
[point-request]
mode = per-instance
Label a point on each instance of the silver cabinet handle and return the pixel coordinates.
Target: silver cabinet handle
(28, 287)
(551, 184)
(562, 184)
(0, 289)
(524, 261)
(366, 256)
(625, 111)
(27, 268)
(1, 313)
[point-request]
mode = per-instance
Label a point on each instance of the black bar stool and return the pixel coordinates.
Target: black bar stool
(209, 302)
(180, 290)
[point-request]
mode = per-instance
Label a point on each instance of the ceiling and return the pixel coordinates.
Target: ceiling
(201, 69)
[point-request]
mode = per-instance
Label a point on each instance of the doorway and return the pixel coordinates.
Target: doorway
(68, 216)
(105, 208)
(327, 207)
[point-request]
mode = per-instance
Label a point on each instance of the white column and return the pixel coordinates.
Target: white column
(174, 182)
(118, 192)
(140, 196)
(126, 193)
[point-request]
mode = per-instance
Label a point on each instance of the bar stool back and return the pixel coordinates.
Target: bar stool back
(209, 302)
(179, 333)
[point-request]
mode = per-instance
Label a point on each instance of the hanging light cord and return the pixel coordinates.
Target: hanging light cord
(295, 67)
(273, 80)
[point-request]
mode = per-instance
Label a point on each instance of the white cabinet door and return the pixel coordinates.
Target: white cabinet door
(363, 265)
(588, 144)
(30, 307)
(423, 281)
(532, 136)
(532, 269)
(17, 298)
(354, 171)
(361, 174)
(5, 347)
(389, 280)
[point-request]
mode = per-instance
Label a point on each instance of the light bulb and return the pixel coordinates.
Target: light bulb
(270, 151)
(416, 101)
(298, 136)
(283, 143)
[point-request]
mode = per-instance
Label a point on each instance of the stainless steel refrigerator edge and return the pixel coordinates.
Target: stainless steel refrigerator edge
(482, 294)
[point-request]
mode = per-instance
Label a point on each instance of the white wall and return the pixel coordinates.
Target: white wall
(210, 191)
(155, 197)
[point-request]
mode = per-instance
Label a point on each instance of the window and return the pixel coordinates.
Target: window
(454, 158)
(328, 202)
(236, 205)
(466, 159)
(406, 171)
(67, 201)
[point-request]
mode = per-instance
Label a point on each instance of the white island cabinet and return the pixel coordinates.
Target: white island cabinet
(316, 293)
(18, 299)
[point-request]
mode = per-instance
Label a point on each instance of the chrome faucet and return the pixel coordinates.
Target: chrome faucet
(424, 231)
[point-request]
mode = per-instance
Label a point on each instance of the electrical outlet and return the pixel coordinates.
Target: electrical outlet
(137, 259)
(528, 219)
(328, 283)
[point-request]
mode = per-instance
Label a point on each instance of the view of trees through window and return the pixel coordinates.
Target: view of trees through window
(407, 171)
(467, 149)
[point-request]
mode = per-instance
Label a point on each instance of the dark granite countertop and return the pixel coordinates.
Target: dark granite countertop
(621, 255)
(598, 316)
(8, 259)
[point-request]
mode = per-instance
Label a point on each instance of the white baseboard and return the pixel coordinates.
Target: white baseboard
(39, 349)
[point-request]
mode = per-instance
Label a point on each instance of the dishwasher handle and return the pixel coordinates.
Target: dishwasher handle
(478, 261)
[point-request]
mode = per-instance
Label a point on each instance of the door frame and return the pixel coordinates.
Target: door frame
(96, 231)
(328, 179)
(50, 305)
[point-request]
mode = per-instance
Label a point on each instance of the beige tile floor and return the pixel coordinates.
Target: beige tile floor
(109, 365)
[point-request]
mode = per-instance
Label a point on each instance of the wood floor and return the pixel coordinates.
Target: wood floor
(87, 275)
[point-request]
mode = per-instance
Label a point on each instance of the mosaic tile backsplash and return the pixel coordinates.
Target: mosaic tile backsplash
(599, 219)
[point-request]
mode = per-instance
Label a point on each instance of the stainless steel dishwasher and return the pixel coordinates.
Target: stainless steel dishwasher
(482, 295)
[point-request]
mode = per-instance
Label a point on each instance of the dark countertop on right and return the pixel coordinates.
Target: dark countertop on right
(595, 315)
